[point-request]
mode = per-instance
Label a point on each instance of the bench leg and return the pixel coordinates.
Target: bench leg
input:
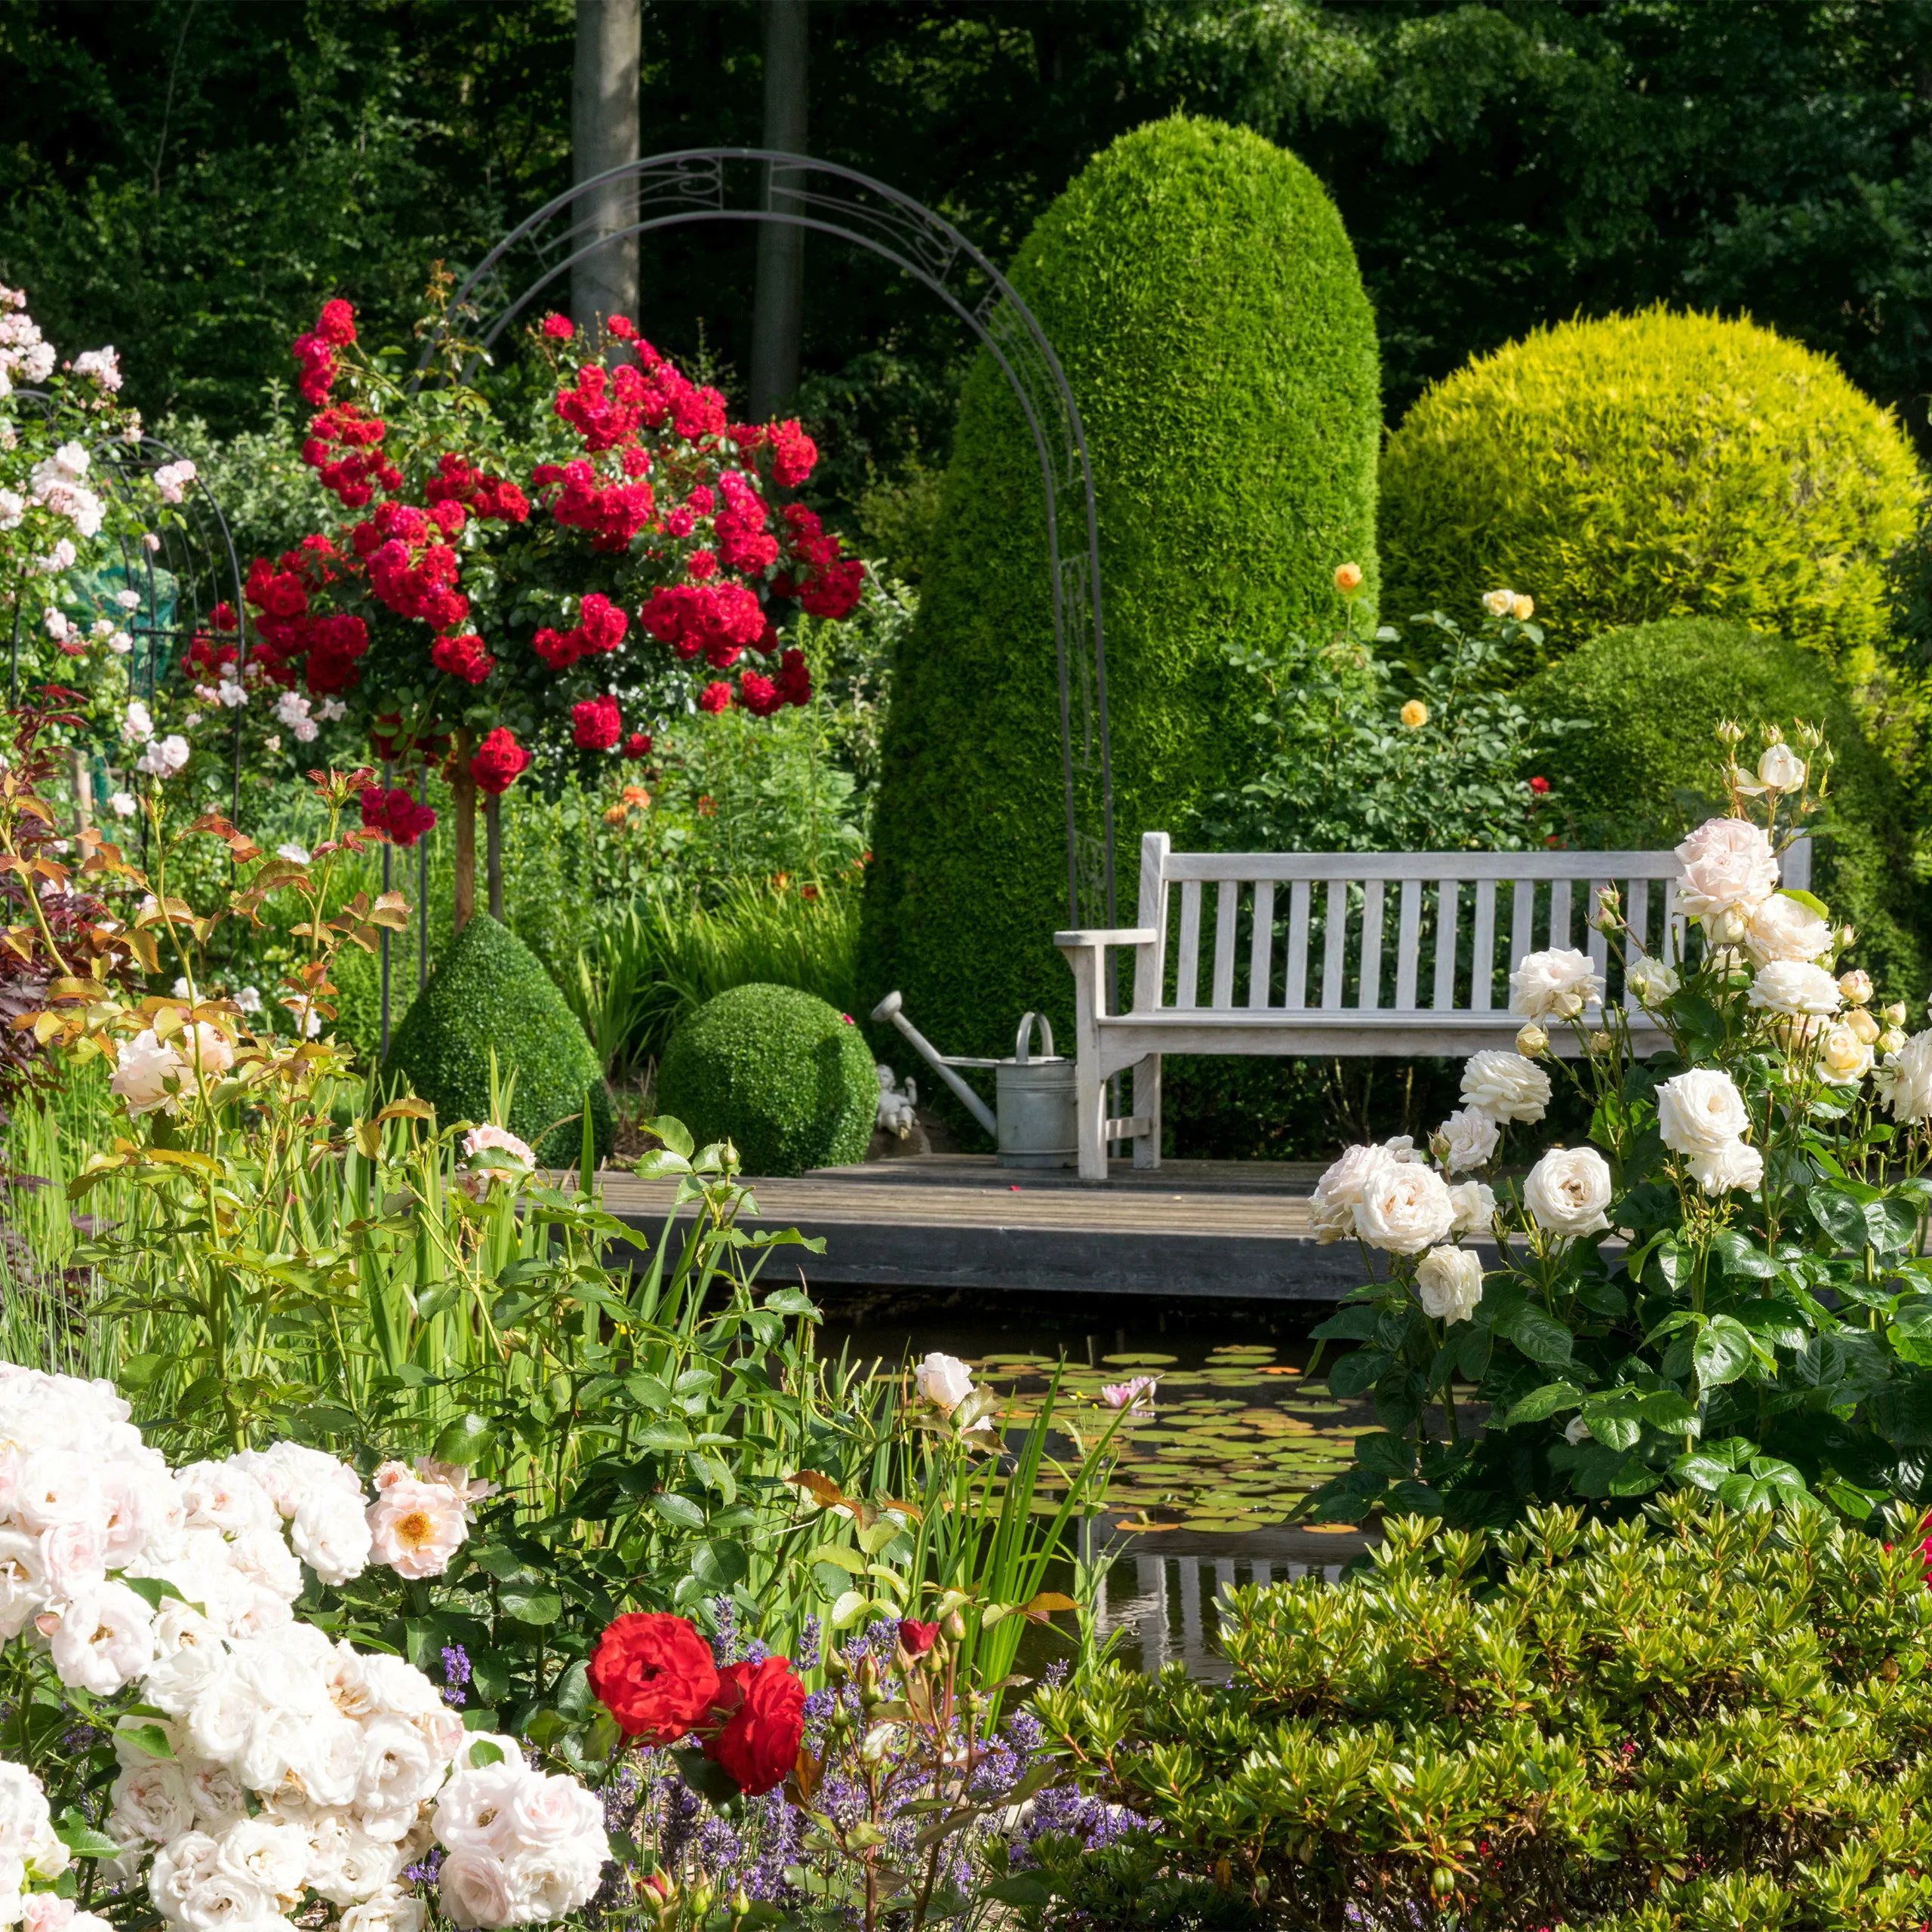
(1147, 1104)
(1090, 1090)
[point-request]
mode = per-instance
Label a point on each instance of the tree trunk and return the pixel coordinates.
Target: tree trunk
(603, 134)
(778, 317)
(492, 861)
(462, 802)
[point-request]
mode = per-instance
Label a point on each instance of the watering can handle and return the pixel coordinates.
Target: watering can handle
(1020, 1039)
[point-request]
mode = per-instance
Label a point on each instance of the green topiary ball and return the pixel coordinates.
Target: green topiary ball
(1648, 770)
(787, 1079)
(1201, 294)
(489, 990)
(1647, 466)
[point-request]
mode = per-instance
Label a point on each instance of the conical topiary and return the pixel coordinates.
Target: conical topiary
(785, 1078)
(490, 992)
(1201, 294)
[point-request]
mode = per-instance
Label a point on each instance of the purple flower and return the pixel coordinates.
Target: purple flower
(455, 1675)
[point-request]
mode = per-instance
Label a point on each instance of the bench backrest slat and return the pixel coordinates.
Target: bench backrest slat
(1249, 971)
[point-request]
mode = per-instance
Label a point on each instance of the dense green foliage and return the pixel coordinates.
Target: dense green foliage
(780, 1074)
(1647, 771)
(1649, 466)
(1716, 1720)
(187, 178)
(1206, 306)
(489, 995)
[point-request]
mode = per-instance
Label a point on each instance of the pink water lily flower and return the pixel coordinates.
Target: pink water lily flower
(1136, 1396)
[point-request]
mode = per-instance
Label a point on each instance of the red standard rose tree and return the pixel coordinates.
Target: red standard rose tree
(486, 594)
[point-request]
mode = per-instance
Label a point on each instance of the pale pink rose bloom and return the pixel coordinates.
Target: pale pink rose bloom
(1727, 862)
(417, 1526)
(469, 1491)
(476, 1183)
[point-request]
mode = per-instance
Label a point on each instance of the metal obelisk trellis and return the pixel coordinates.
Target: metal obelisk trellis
(696, 185)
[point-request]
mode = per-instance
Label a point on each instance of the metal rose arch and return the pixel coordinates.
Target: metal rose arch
(695, 185)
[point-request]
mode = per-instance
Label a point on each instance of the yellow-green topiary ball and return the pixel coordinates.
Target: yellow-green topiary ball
(1649, 466)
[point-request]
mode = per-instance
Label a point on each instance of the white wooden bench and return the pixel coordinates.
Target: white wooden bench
(1359, 991)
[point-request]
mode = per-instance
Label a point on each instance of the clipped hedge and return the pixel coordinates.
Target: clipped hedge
(1648, 770)
(1640, 467)
(489, 991)
(785, 1077)
(1694, 1721)
(1199, 289)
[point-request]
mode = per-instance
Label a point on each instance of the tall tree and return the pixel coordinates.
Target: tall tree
(778, 316)
(603, 135)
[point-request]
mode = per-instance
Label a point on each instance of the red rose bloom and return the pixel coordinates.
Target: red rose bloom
(337, 325)
(714, 698)
(1538, 785)
(759, 1745)
(916, 1638)
(499, 762)
(637, 745)
(558, 327)
(655, 1673)
(463, 657)
(595, 725)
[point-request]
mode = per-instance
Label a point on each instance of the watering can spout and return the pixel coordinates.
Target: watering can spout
(892, 1008)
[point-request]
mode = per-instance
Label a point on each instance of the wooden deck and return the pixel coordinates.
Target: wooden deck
(954, 1221)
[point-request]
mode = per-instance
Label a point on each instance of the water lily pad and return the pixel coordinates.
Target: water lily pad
(1140, 1360)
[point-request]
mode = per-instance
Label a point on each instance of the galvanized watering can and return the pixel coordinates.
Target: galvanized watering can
(1035, 1125)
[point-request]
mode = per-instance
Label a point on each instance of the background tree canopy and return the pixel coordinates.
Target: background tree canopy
(187, 178)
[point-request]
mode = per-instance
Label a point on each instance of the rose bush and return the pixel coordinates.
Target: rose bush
(1727, 1285)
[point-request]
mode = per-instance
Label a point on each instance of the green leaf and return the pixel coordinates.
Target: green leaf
(1741, 1256)
(1024, 1888)
(482, 1752)
(1385, 1454)
(148, 1737)
(1358, 1371)
(82, 1840)
(680, 1511)
(1777, 1323)
(1539, 1334)
(531, 1602)
(154, 1591)
(793, 1301)
(141, 1371)
(1840, 1217)
(1355, 1323)
(1541, 1404)
(464, 1442)
(719, 1564)
(673, 1133)
(1722, 1352)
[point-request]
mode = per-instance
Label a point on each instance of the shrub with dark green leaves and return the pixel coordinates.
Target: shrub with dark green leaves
(1203, 296)
(1697, 1721)
(1649, 770)
(787, 1079)
(489, 993)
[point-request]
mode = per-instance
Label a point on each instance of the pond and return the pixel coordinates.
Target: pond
(1240, 1430)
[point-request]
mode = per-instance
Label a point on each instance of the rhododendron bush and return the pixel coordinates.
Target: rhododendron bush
(492, 587)
(1725, 1284)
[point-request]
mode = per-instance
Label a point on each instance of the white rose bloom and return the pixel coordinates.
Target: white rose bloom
(1735, 1164)
(75, 1557)
(266, 1853)
(1467, 1139)
(1568, 1190)
(218, 1799)
(1449, 1283)
(331, 1534)
(1345, 1179)
(1499, 603)
(392, 1909)
(163, 756)
(1793, 987)
(1330, 1220)
(1781, 928)
(1505, 1085)
(1650, 980)
(178, 1868)
(25, 1823)
(475, 1813)
(944, 1381)
(1700, 1112)
(398, 1768)
(104, 1639)
(1728, 863)
(1404, 1209)
(143, 1068)
(1474, 1206)
(1845, 1057)
(1577, 1430)
(57, 1486)
(1909, 1077)
(22, 1581)
(554, 1810)
(1557, 984)
(122, 804)
(1401, 1147)
(1781, 769)
(475, 1890)
(549, 1882)
(222, 1902)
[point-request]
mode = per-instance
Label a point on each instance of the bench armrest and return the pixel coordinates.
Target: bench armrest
(1104, 936)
